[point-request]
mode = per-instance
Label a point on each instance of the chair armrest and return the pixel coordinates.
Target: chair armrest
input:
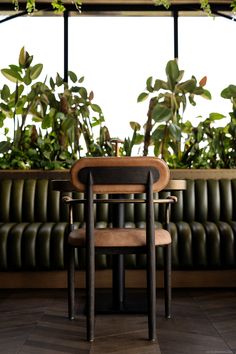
(169, 200)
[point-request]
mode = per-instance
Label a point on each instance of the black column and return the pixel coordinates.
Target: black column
(176, 34)
(65, 46)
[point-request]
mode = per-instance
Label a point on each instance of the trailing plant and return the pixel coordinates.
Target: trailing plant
(58, 6)
(53, 124)
(204, 5)
(164, 125)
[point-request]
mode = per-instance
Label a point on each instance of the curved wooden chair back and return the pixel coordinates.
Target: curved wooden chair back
(119, 174)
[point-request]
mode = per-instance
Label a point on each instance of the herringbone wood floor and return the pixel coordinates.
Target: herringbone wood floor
(35, 322)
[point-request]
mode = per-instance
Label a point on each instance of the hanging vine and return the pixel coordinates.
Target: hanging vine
(57, 5)
(204, 5)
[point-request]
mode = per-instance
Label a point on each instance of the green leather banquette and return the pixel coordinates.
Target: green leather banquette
(33, 222)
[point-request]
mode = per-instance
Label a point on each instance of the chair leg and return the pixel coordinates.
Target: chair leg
(151, 289)
(71, 283)
(118, 281)
(90, 296)
(167, 280)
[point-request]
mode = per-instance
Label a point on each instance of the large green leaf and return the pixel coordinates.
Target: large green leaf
(11, 75)
(172, 72)
(161, 113)
(229, 92)
(159, 133)
(187, 86)
(160, 84)
(35, 71)
(175, 131)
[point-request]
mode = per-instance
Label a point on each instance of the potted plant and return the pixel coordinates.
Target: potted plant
(164, 127)
(206, 145)
(53, 124)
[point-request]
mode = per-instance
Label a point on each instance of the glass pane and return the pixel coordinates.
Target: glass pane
(116, 55)
(42, 37)
(206, 47)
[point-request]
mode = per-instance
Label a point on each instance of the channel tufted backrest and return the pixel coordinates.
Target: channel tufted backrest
(206, 200)
(34, 200)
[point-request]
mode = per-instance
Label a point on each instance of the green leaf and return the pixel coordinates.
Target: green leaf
(161, 113)
(27, 79)
(96, 108)
(160, 84)
(83, 92)
(229, 92)
(22, 56)
(59, 80)
(172, 72)
(142, 97)
(47, 122)
(81, 79)
(187, 86)
(5, 107)
(206, 94)
(5, 92)
(215, 116)
(52, 83)
(72, 76)
(149, 84)
(175, 131)
(159, 133)
(181, 75)
(35, 71)
(4, 146)
(11, 75)
(68, 123)
(135, 126)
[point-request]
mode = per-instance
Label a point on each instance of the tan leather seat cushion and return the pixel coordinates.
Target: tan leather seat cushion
(119, 237)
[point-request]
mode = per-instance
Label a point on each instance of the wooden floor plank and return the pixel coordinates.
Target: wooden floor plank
(35, 321)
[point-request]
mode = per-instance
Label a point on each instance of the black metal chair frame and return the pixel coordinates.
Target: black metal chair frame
(91, 177)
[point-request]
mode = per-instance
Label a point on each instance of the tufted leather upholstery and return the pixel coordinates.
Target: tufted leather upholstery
(33, 222)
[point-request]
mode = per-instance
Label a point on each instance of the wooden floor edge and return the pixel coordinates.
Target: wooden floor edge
(134, 279)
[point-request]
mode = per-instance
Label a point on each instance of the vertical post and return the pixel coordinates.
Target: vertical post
(176, 34)
(90, 260)
(66, 46)
(167, 267)
(71, 271)
(118, 269)
(151, 260)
